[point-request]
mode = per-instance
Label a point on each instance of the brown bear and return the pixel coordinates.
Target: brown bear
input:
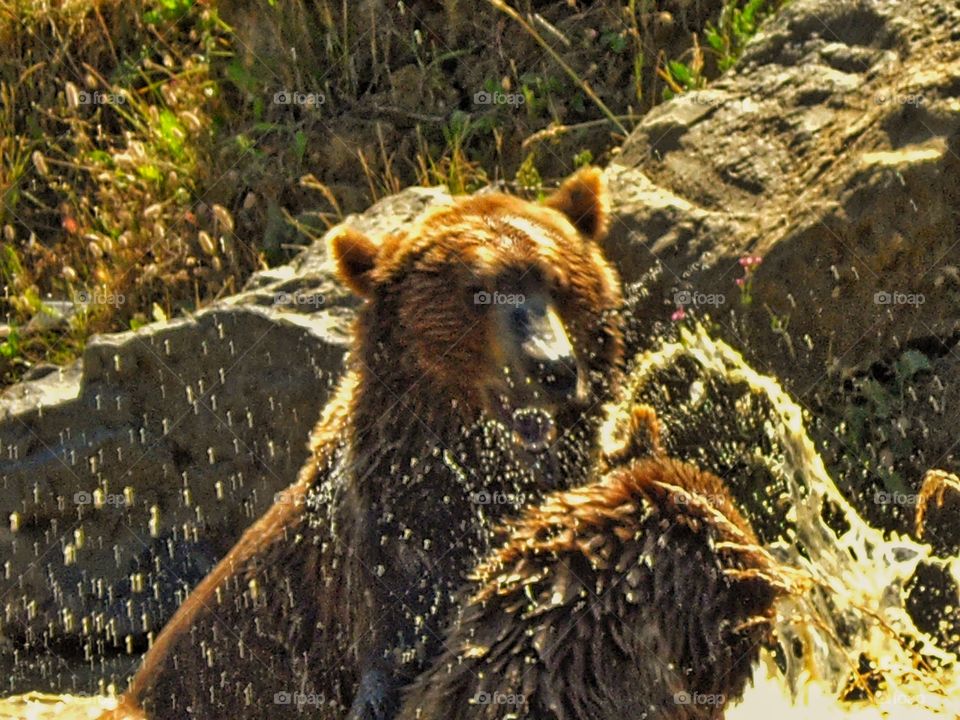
(642, 595)
(488, 339)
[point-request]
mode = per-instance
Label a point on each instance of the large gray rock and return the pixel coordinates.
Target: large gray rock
(833, 152)
(125, 476)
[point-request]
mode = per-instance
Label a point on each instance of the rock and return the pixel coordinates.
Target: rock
(832, 152)
(53, 315)
(126, 475)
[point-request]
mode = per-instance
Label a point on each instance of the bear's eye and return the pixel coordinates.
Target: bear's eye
(520, 321)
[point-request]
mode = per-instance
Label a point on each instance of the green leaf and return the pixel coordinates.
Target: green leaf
(300, 144)
(892, 482)
(714, 38)
(492, 86)
(582, 158)
(751, 11)
(241, 77)
(10, 347)
(877, 394)
(856, 420)
(172, 132)
(149, 172)
(579, 102)
(681, 73)
(100, 156)
(614, 40)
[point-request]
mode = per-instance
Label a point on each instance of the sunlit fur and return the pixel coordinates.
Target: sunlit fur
(358, 565)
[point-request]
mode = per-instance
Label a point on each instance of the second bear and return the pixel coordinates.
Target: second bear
(643, 595)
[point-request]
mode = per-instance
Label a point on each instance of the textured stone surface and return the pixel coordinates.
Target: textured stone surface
(833, 151)
(125, 476)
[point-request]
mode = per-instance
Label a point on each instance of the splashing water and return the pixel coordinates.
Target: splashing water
(848, 635)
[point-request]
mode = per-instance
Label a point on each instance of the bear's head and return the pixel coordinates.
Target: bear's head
(491, 305)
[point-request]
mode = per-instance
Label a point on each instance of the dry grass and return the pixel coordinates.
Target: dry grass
(154, 153)
(106, 128)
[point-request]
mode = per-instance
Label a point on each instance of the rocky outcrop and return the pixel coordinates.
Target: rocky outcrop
(833, 153)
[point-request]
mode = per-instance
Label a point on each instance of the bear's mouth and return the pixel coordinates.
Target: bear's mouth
(532, 427)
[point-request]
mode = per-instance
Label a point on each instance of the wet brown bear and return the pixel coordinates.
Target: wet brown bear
(643, 595)
(488, 337)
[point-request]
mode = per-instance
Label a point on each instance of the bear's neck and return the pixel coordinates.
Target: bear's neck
(398, 419)
(397, 413)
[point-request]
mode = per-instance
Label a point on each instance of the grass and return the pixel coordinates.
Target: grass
(154, 153)
(725, 42)
(100, 186)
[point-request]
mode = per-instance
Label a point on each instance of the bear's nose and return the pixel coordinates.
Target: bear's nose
(547, 351)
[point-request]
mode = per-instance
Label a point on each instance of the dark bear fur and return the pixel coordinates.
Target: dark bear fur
(642, 595)
(340, 593)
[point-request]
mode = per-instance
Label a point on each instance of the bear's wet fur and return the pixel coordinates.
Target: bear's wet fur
(488, 339)
(642, 595)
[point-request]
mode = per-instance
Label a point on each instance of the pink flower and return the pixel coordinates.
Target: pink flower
(740, 281)
(750, 261)
(678, 314)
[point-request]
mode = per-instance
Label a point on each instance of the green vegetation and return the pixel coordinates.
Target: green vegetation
(738, 23)
(874, 417)
(725, 42)
(154, 153)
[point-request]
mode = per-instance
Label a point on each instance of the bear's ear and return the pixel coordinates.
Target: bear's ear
(583, 199)
(355, 256)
